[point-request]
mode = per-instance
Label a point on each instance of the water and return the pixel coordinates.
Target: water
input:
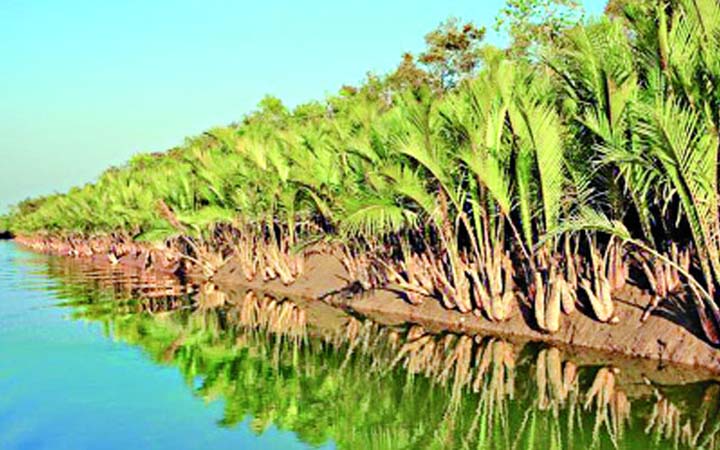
(67, 384)
(96, 359)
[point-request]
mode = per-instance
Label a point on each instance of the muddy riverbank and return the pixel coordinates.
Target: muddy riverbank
(671, 334)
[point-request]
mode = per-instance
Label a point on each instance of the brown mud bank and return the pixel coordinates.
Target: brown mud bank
(671, 335)
(301, 316)
(636, 376)
(156, 258)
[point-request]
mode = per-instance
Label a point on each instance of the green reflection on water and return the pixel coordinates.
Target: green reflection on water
(324, 375)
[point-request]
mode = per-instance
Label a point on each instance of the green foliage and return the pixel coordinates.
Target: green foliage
(533, 22)
(620, 115)
(5, 223)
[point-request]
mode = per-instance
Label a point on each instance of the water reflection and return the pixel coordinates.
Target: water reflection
(326, 375)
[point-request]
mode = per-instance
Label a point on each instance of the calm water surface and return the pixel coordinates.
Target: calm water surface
(69, 384)
(98, 359)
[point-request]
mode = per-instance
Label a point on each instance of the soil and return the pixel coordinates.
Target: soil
(636, 377)
(671, 334)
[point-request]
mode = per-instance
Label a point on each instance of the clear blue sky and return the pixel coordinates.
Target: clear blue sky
(84, 84)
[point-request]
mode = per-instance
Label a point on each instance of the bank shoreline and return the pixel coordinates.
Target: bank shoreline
(670, 335)
(664, 337)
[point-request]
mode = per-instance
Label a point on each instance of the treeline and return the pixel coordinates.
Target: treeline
(472, 175)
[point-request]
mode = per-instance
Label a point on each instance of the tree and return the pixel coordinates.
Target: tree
(309, 111)
(530, 23)
(407, 75)
(270, 110)
(453, 52)
(619, 8)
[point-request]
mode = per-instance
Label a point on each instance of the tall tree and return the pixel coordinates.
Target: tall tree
(407, 75)
(533, 23)
(453, 51)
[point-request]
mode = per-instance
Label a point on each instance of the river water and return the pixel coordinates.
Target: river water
(94, 358)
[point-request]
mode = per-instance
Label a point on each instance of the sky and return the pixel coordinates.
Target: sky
(85, 84)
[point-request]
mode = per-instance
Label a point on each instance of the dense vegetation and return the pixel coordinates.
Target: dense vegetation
(476, 176)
